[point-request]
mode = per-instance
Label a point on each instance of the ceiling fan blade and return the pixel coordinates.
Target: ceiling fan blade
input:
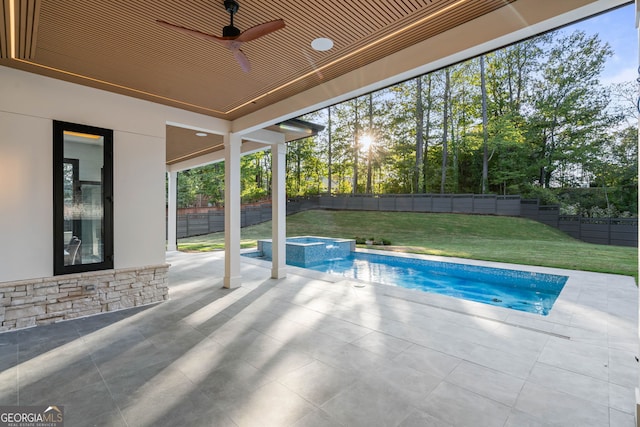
(195, 33)
(260, 30)
(242, 60)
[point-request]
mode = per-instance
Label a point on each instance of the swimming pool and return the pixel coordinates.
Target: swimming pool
(519, 290)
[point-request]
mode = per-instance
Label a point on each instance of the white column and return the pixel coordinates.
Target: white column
(278, 211)
(172, 215)
(638, 388)
(232, 145)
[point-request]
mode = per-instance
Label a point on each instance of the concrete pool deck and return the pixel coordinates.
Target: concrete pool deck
(316, 350)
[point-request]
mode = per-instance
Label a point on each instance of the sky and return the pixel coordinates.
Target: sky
(618, 29)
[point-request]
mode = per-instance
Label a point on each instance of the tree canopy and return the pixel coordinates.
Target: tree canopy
(533, 119)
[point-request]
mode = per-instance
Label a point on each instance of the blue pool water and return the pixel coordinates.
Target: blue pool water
(519, 290)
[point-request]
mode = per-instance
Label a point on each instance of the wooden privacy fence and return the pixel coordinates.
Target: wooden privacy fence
(445, 203)
(603, 231)
(607, 231)
(194, 224)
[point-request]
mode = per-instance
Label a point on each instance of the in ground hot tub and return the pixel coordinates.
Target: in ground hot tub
(306, 251)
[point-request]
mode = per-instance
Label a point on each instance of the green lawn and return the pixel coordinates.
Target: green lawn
(491, 238)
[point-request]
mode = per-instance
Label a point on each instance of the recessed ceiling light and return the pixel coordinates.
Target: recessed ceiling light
(201, 134)
(322, 43)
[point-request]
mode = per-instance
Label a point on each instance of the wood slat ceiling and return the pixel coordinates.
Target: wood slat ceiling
(117, 45)
(187, 145)
(5, 28)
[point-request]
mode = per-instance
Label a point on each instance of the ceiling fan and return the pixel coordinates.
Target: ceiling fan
(232, 38)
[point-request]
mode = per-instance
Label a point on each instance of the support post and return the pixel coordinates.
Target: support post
(278, 211)
(172, 211)
(232, 214)
(638, 388)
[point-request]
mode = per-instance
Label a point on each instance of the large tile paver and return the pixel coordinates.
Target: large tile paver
(315, 350)
(421, 419)
(363, 405)
(426, 360)
(572, 383)
(318, 382)
(461, 407)
(550, 405)
(516, 364)
(270, 405)
(382, 344)
(581, 358)
(486, 382)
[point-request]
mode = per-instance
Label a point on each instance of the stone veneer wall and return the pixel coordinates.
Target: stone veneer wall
(34, 302)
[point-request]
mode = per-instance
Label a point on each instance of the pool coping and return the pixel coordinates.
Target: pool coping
(576, 291)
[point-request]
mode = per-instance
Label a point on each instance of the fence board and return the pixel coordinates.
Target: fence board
(615, 231)
(462, 204)
(404, 204)
(441, 204)
(508, 205)
(422, 204)
(485, 205)
(387, 203)
(370, 203)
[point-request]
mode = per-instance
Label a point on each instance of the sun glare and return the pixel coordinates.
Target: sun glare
(365, 142)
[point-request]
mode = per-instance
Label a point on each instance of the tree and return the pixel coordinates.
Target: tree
(569, 105)
(201, 186)
(342, 123)
(445, 121)
(510, 72)
(329, 156)
(427, 135)
(396, 137)
(617, 172)
(485, 146)
(255, 176)
(418, 178)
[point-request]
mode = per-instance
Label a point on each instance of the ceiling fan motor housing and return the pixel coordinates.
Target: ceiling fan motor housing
(231, 6)
(230, 31)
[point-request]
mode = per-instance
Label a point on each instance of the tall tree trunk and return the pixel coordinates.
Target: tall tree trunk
(419, 137)
(455, 148)
(445, 128)
(425, 162)
(485, 147)
(298, 169)
(368, 189)
(355, 152)
(329, 174)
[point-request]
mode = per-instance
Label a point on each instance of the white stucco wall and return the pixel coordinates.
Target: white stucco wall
(28, 105)
(25, 194)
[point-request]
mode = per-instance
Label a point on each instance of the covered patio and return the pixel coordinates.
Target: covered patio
(236, 341)
(315, 350)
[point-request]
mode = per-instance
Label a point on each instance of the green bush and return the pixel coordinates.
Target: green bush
(547, 196)
(372, 241)
(253, 194)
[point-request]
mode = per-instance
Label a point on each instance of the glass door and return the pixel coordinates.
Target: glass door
(82, 198)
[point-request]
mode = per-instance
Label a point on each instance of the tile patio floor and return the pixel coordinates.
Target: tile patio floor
(306, 351)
